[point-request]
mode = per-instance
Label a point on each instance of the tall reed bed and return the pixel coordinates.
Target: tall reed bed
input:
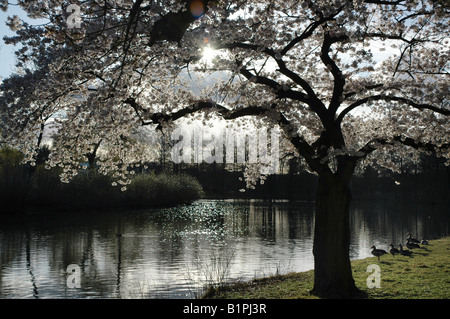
(23, 187)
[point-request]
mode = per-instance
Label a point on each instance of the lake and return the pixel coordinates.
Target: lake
(174, 252)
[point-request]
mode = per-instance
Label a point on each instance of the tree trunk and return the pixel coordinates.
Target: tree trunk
(332, 270)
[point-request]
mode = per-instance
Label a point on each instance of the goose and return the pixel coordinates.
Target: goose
(412, 240)
(424, 242)
(404, 252)
(411, 245)
(378, 252)
(393, 251)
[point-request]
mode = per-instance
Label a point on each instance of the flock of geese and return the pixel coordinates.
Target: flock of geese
(411, 243)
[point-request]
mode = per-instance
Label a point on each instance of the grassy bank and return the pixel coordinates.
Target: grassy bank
(426, 275)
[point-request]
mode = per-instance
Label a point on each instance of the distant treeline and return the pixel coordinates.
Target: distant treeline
(424, 187)
(428, 182)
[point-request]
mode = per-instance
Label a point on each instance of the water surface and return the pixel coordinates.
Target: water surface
(174, 252)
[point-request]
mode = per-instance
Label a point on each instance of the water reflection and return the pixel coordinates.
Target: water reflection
(173, 252)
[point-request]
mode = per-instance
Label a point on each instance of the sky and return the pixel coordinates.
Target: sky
(7, 57)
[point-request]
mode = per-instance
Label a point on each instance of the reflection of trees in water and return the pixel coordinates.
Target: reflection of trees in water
(386, 222)
(29, 266)
(281, 220)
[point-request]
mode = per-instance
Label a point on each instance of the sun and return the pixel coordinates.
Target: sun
(209, 54)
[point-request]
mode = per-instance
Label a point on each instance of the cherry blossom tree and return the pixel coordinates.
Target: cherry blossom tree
(348, 83)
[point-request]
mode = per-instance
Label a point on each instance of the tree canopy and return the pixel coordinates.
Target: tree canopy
(343, 79)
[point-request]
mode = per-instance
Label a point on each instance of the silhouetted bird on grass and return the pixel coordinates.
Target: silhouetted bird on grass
(393, 251)
(412, 240)
(411, 245)
(404, 252)
(378, 252)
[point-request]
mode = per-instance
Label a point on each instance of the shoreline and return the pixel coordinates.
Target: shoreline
(426, 275)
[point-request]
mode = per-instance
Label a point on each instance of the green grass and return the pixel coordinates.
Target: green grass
(424, 276)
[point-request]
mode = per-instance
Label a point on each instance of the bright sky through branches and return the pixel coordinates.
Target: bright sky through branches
(209, 54)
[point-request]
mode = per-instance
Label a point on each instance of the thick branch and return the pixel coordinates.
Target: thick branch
(307, 32)
(366, 88)
(371, 146)
(388, 98)
(275, 86)
(159, 118)
(310, 98)
(313, 101)
(339, 79)
(392, 3)
(394, 37)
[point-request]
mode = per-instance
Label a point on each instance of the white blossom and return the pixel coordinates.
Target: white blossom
(14, 23)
